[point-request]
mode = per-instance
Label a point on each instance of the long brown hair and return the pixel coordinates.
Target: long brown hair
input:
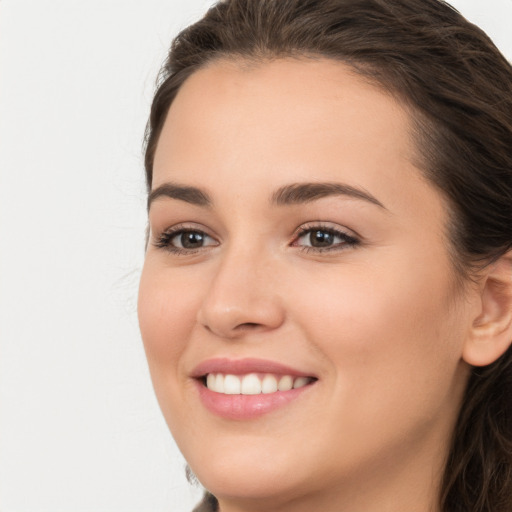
(458, 89)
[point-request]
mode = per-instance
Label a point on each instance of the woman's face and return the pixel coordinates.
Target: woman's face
(294, 242)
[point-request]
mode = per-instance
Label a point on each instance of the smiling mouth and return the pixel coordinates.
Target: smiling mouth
(253, 383)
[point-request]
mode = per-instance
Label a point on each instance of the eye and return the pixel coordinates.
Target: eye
(191, 240)
(184, 241)
(318, 238)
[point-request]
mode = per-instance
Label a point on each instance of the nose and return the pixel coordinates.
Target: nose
(242, 297)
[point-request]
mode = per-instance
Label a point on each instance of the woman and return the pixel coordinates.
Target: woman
(326, 302)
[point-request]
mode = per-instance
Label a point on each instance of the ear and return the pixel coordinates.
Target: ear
(491, 333)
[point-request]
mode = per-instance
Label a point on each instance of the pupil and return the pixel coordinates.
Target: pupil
(321, 239)
(191, 240)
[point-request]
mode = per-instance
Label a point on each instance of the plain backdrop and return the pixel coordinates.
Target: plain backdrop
(80, 429)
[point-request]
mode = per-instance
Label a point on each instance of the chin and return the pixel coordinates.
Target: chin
(246, 474)
(251, 485)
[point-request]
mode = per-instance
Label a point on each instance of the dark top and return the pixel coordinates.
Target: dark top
(208, 504)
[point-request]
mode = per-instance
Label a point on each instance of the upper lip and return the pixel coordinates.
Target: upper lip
(245, 366)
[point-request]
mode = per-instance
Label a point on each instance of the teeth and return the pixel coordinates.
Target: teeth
(269, 384)
(285, 383)
(232, 385)
(252, 384)
(219, 383)
(211, 382)
(300, 382)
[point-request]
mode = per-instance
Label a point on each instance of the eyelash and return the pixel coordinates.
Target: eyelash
(347, 240)
(164, 240)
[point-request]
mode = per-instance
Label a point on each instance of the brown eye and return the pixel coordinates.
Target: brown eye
(182, 241)
(190, 239)
(326, 239)
(321, 238)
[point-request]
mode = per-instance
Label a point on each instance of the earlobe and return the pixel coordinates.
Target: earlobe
(491, 332)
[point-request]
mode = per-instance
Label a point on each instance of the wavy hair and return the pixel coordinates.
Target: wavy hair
(457, 87)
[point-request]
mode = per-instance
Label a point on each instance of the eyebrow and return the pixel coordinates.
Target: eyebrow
(299, 193)
(295, 193)
(192, 195)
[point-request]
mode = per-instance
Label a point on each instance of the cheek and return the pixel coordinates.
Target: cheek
(387, 337)
(166, 317)
(167, 309)
(353, 302)
(393, 350)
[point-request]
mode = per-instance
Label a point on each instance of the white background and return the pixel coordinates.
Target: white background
(80, 430)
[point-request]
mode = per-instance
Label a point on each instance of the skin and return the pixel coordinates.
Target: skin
(382, 324)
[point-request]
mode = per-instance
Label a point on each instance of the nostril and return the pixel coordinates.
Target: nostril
(247, 326)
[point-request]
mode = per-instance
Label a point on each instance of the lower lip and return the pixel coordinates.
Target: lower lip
(246, 407)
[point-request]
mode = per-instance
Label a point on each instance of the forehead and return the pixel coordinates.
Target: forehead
(287, 120)
(287, 104)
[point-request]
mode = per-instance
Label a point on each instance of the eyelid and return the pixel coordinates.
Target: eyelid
(324, 225)
(183, 226)
(350, 238)
(162, 239)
